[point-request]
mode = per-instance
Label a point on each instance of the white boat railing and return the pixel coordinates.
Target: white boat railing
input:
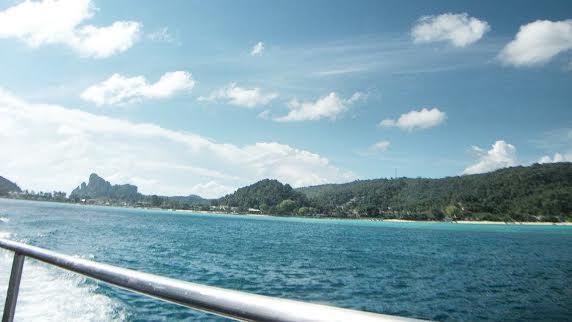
(227, 303)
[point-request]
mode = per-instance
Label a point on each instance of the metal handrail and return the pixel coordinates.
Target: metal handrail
(228, 303)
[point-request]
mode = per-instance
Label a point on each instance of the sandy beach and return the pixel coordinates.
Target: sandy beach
(483, 222)
(469, 222)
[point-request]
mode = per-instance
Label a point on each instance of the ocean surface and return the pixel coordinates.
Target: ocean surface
(430, 271)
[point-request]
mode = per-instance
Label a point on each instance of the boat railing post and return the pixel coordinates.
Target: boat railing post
(13, 288)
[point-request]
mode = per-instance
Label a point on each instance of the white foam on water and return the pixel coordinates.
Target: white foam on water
(51, 294)
(4, 219)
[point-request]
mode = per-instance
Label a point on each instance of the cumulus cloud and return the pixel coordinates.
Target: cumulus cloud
(117, 89)
(459, 30)
(72, 143)
(538, 42)
(240, 96)
(257, 49)
(417, 120)
(211, 189)
(501, 155)
(329, 106)
(44, 22)
(557, 157)
(380, 146)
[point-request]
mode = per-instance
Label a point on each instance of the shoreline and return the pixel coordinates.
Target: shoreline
(478, 222)
(460, 222)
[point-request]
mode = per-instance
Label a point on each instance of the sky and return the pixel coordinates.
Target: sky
(203, 97)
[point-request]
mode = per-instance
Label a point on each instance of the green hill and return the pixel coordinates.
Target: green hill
(270, 196)
(7, 186)
(537, 192)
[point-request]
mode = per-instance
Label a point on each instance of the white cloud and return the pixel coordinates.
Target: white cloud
(257, 49)
(356, 97)
(40, 22)
(240, 96)
(538, 42)
(211, 189)
(71, 144)
(414, 120)
(161, 35)
(329, 106)
(44, 22)
(559, 139)
(501, 155)
(380, 146)
(458, 29)
(101, 42)
(340, 71)
(117, 89)
(265, 115)
(558, 157)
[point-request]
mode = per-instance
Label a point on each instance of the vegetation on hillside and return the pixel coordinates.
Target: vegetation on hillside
(541, 192)
(537, 192)
(534, 193)
(7, 186)
(269, 196)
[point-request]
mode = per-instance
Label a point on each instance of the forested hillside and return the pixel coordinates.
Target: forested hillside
(537, 192)
(7, 186)
(270, 196)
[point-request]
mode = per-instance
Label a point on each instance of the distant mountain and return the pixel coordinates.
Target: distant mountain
(97, 187)
(7, 186)
(517, 193)
(270, 196)
(192, 200)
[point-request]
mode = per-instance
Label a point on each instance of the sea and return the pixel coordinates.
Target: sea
(434, 271)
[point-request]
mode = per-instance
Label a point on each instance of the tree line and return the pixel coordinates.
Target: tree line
(541, 192)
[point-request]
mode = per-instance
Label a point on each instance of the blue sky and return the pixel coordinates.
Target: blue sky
(472, 87)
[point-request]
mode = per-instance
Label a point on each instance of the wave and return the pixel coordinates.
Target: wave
(4, 219)
(51, 294)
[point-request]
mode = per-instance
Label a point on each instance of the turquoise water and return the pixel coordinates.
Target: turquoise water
(431, 271)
